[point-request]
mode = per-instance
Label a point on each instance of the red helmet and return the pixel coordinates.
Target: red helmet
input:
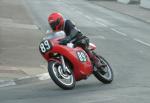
(56, 21)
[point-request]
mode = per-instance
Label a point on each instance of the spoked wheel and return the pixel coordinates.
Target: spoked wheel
(106, 74)
(63, 80)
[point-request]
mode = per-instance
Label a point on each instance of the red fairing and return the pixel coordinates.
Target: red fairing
(81, 68)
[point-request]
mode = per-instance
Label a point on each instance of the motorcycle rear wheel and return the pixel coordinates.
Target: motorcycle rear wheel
(63, 80)
(108, 76)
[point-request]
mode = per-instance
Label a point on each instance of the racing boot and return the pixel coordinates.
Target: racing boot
(97, 63)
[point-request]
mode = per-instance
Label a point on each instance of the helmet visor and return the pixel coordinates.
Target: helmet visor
(54, 25)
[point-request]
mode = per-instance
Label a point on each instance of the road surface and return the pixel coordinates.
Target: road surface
(122, 40)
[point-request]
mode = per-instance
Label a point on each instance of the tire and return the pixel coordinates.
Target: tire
(56, 74)
(103, 77)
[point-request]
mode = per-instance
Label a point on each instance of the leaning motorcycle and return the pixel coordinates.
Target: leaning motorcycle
(68, 64)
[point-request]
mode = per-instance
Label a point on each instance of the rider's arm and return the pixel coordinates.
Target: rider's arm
(71, 32)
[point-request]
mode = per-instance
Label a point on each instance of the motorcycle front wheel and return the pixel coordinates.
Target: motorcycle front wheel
(66, 80)
(106, 77)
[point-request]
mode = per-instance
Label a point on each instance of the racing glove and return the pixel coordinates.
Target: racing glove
(64, 41)
(74, 34)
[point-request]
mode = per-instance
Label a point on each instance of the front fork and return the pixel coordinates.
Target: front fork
(64, 67)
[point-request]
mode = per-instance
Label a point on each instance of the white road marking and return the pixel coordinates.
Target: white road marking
(43, 76)
(88, 17)
(142, 42)
(7, 83)
(43, 66)
(97, 37)
(106, 22)
(121, 33)
(4, 20)
(18, 25)
(101, 24)
(101, 20)
(22, 78)
(105, 99)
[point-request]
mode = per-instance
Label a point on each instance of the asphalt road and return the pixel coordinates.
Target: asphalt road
(122, 40)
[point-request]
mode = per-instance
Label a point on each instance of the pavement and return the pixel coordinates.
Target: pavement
(133, 9)
(18, 42)
(14, 19)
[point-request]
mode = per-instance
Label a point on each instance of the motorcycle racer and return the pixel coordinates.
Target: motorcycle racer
(58, 23)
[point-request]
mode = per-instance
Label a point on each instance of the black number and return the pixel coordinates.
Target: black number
(45, 46)
(82, 56)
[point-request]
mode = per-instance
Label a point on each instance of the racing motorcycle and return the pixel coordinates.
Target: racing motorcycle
(68, 64)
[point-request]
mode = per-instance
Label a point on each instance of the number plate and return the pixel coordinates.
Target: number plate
(82, 56)
(45, 46)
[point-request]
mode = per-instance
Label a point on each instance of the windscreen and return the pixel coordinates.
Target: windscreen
(54, 35)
